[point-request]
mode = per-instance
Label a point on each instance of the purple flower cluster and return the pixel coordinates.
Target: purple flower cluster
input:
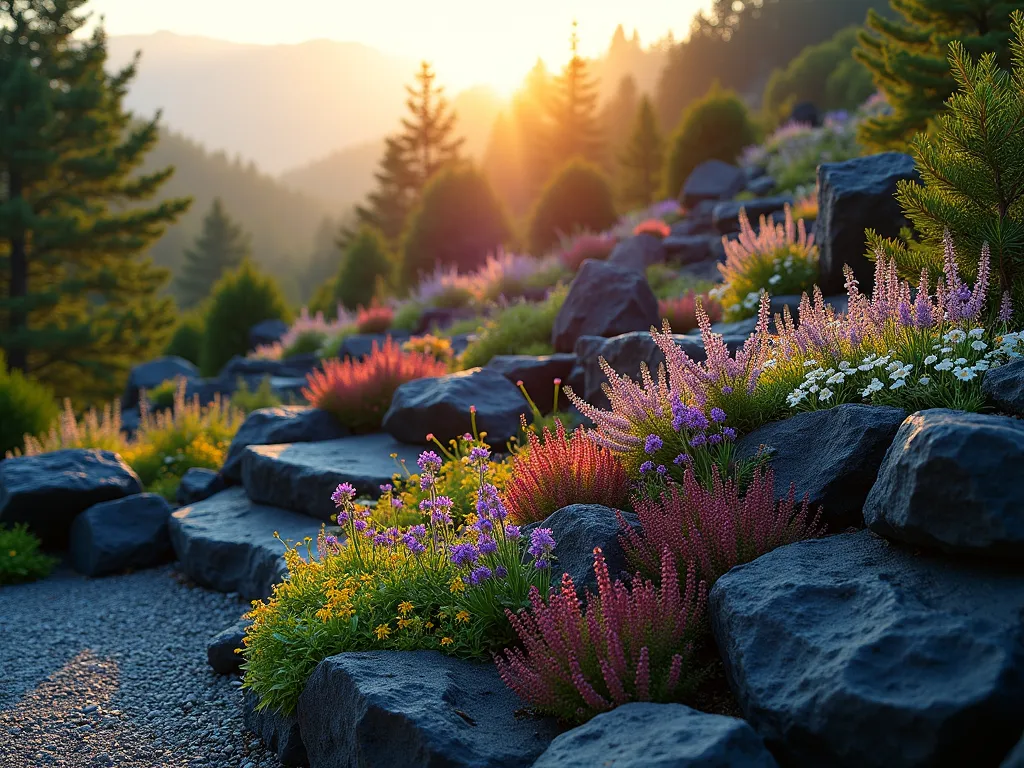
(542, 544)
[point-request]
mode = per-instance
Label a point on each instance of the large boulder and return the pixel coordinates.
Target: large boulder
(538, 375)
(688, 249)
(1004, 387)
(197, 484)
(1016, 758)
(577, 530)
(415, 709)
(302, 476)
(831, 456)
(153, 374)
(952, 480)
(440, 406)
(279, 732)
(712, 180)
(638, 252)
(853, 196)
(851, 652)
(47, 491)
(604, 300)
(697, 221)
(285, 424)
(726, 215)
(358, 346)
(227, 542)
(223, 652)
(125, 533)
(645, 735)
(249, 369)
(267, 332)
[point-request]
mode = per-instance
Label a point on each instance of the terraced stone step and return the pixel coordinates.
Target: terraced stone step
(302, 476)
(226, 542)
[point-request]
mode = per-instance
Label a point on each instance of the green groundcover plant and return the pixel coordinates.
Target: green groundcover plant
(20, 557)
(370, 586)
(522, 328)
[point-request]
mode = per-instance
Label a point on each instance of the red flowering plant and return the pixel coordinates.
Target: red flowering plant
(586, 245)
(359, 392)
(655, 227)
(681, 312)
(715, 528)
(631, 643)
(555, 469)
(375, 318)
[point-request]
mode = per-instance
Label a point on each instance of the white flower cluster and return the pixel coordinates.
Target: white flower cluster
(820, 385)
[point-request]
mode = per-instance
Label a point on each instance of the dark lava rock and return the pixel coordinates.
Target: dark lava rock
(688, 249)
(279, 732)
(383, 709)
(359, 345)
(697, 220)
(645, 735)
(604, 300)
(577, 529)
(47, 491)
(538, 374)
(227, 542)
(302, 476)
(852, 652)
(1016, 758)
(638, 252)
(284, 424)
(251, 369)
(832, 456)
(440, 406)
(198, 484)
(805, 112)
(712, 180)
(761, 186)
(1004, 387)
(153, 374)
(124, 533)
(726, 216)
(223, 652)
(952, 480)
(853, 196)
(267, 332)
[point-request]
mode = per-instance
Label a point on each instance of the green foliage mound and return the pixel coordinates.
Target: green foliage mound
(973, 174)
(520, 329)
(716, 127)
(458, 223)
(240, 299)
(20, 558)
(578, 197)
(365, 261)
(187, 340)
(825, 74)
(26, 408)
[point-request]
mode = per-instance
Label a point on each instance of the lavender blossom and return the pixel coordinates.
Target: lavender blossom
(542, 543)
(464, 554)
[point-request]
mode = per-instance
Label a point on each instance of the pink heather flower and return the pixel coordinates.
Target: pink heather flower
(1005, 308)
(630, 643)
(768, 238)
(717, 528)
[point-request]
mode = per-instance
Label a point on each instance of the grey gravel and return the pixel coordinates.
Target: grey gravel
(113, 672)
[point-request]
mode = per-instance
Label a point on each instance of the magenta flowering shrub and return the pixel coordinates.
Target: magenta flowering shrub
(631, 643)
(715, 528)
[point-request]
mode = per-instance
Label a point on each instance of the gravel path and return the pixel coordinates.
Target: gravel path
(112, 672)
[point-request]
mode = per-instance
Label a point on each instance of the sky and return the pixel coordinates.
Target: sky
(469, 41)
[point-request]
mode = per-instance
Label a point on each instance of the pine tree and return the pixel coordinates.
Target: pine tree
(424, 146)
(574, 129)
(907, 59)
(427, 136)
(618, 116)
(222, 246)
(388, 206)
(79, 303)
(643, 159)
(973, 174)
(365, 262)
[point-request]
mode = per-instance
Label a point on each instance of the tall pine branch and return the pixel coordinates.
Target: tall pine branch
(906, 56)
(79, 303)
